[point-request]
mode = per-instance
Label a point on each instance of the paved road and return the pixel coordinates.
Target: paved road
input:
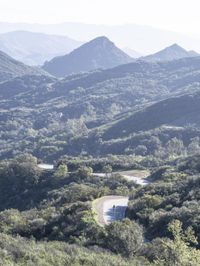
(129, 177)
(110, 208)
(137, 180)
(45, 166)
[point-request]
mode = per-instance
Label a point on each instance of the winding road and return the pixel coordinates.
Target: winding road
(128, 175)
(136, 179)
(112, 208)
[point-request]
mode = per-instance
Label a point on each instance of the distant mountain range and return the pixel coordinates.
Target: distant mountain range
(35, 48)
(144, 39)
(99, 53)
(102, 53)
(172, 52)
(10, 68)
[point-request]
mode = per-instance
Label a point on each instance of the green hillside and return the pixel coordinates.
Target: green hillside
(60, 116)
(10, 68)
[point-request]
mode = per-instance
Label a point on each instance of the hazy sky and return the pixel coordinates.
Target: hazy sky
(177, 15)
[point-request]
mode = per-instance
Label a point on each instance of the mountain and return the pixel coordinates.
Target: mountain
(193, 53)
(143, 38)
(35, 48)
(170, 53)
(98, 53)
(10, 68)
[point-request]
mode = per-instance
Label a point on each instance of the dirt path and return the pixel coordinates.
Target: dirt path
(105, 211)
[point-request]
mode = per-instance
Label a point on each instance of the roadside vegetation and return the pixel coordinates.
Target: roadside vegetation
(47, 216)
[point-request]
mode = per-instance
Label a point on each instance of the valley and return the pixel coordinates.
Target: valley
(99, 152)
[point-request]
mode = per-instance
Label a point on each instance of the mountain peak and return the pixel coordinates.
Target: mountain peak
(101, 39)
(176, 47)
(169, 53)
(101, 42)
(97, 53)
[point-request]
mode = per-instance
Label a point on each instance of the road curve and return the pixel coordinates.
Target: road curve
(129, 177)
(110, 209)
(45, 166)
(137, 180)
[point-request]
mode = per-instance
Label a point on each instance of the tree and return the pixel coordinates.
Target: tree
(124, 237)
(193, 147)
(20, 173)
(179, 251)
(175, 147)
(61, 171)
(85, 171)
(141, 150)
(107, 169)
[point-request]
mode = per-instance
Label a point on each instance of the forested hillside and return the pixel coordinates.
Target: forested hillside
(47, 216)
(51, 117)
(10, 68)
(101, 131)
(178, 111)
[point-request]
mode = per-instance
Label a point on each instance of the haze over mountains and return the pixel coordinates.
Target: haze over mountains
(35, 48)
(99, 53)
(144, 39)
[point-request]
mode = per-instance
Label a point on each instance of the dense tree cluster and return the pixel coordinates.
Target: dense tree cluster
(161, 227)
(175, 195)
